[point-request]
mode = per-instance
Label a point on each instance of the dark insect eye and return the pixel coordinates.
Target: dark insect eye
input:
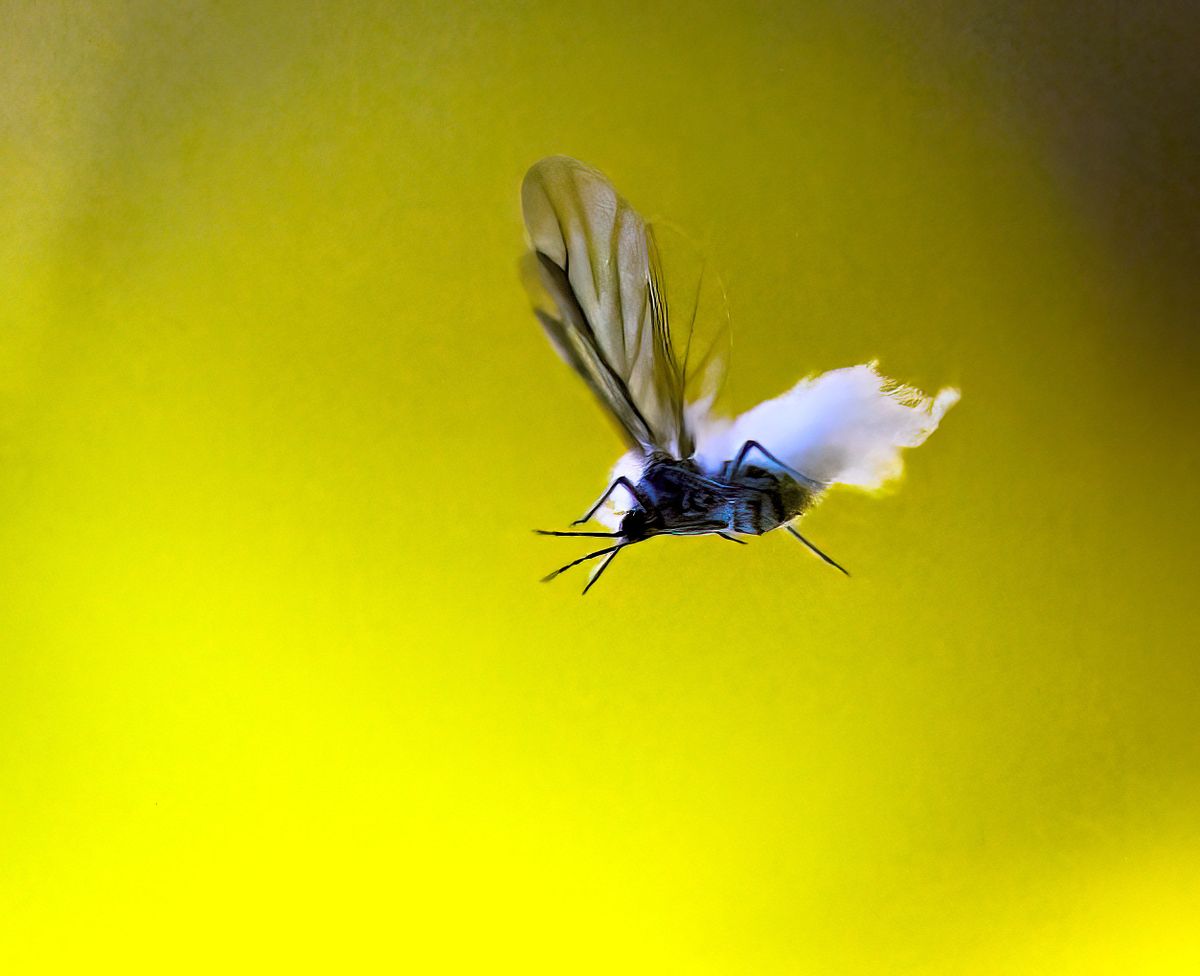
(634, 522)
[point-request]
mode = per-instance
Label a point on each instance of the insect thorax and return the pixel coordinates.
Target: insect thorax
(680, 498)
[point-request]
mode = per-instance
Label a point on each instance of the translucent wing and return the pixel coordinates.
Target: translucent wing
(699, 326)
(599, 291)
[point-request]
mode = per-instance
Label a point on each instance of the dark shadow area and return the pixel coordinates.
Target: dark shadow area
(1111, 92)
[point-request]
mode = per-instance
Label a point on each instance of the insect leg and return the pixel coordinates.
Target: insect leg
(707, 527)
(622, 482)
(756, 446)
(600, 571)
(582, 559)
(816, 550)
(592, 535)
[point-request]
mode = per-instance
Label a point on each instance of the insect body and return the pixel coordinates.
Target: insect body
(598, 289)
(675, 497)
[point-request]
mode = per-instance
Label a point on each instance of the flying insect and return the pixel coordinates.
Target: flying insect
(599, 290)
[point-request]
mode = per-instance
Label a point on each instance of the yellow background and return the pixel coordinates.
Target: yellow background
(279, 689)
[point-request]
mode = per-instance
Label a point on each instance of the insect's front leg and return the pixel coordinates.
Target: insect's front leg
(622, 482)
(702, 527)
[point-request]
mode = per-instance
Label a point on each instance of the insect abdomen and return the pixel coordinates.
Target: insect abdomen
(776, 503)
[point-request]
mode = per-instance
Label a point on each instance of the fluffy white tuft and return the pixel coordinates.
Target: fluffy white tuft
(846, 426)
(620, 501)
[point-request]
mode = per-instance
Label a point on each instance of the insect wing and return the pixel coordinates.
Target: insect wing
(597, 290)
(699, 330)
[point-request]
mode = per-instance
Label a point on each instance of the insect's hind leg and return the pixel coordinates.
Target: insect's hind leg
(814, 549)
(622, 482)
(756, 446)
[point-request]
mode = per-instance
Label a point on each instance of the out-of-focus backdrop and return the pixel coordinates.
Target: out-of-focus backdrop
(279, 688)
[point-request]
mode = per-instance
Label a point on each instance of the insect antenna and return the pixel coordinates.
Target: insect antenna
(816, 550)
(583, 559)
